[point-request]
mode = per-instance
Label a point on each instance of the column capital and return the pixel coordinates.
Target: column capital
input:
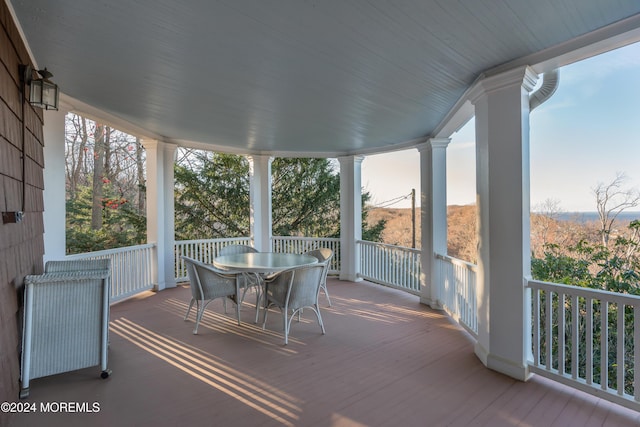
(433, 143)
(439, 142)
(524, 77)
(150, 144)
(259, 157)
(355, 159)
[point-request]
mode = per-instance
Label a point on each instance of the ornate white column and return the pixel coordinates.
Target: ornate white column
(54, 184)
(502, 168)
(160, 209)
(260, 199)
(350, 216)
(433, 216)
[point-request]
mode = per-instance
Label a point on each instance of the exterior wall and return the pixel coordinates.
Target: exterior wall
(21, 244)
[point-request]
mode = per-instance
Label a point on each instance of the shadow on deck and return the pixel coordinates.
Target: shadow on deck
(386, 360)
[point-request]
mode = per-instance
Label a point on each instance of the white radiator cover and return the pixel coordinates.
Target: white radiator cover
(66, 316)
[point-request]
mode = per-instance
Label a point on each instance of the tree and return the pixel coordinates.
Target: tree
(371, 232)
(106, 192)
(76, 147)
(212, 197)
(611, 200)
(463, 232)
(105, 187)
(305, 198)
(121, 225)
(140, 181)
(544, 224)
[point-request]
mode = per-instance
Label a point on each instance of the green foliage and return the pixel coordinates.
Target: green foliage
(306, 198)
(211, 192)
(122, 225)
(212, 198)
(592, 265)
(371, 233)
(558, 268)
(611, 268)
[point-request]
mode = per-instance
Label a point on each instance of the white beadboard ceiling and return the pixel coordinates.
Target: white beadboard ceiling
(294, 76)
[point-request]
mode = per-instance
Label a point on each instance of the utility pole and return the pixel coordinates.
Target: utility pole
(413, 218)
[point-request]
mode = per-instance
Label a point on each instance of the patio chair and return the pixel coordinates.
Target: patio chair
(324, 256)
(207, 284)
(291, 291)
(250, 280)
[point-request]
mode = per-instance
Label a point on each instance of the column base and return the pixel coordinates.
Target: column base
(165, 285)
(350, 277)
(434, 304)
(507, 367)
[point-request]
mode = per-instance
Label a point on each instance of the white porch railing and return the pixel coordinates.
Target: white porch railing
(390, 265)
(298, 245)
(587, 339)
(126, 281)
(457, 280)
(204, 250)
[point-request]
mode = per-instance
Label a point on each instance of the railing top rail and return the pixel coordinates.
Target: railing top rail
(322, 239)
(222, 240)
(585, 292)
(456, 261)
(110, 251)
(386, 245)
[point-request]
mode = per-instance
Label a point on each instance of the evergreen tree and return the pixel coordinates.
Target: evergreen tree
(212, 197)
(121, 226)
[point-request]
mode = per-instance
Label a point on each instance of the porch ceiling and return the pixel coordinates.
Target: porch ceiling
(335, 77)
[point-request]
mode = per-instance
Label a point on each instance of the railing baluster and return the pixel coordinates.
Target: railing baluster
(561, 336)
(620, 336)
(636, 354)
(589, 343)
(123, 277)
(591, 331)
(536, 327)
(575, 334)
(390, 265)
(604, 344)
(548, 323)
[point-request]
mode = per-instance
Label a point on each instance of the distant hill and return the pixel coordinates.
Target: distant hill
(398, 230)
(462, 235)
(462, 230)
(593, 216)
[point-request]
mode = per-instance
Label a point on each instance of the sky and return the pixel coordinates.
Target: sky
(585, 134)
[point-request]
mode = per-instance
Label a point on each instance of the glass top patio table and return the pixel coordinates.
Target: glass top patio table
(263, 262)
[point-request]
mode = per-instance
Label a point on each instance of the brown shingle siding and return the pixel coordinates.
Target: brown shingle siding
(10, 126)
(21, 245)
(9, 90)
(12, 162)
(33, 118)
(13, 194)
(33, 148)
(33, 173)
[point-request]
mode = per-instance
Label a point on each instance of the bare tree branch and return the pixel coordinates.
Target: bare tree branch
(611, 200)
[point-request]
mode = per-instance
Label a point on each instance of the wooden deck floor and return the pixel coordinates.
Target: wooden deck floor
(386, 360)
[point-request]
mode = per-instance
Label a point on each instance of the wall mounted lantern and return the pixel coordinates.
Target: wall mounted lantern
(42, 92)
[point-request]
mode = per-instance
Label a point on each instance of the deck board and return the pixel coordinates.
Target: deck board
(385, 360)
